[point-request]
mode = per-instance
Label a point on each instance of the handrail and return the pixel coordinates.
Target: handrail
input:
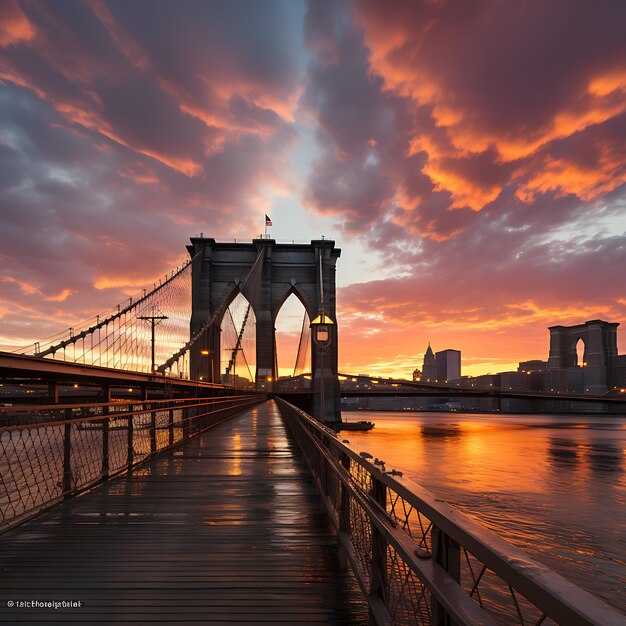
(113, 403)
(418, 560)
(146, 405)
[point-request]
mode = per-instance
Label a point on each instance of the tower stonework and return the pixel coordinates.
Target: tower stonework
(600, 341)
(219, 272)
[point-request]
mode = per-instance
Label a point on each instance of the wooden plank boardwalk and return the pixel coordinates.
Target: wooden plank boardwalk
(226, 529)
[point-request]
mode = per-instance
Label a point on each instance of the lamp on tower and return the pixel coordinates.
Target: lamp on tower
(320, 327)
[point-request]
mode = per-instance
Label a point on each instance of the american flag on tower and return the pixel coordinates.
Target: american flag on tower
(268, 221)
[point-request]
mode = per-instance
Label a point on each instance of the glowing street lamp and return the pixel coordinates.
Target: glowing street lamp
(209, 365)
(320, 329)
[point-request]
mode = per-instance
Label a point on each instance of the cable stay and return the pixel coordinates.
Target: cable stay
(102, 320)
(120, 337)
(250, 285)
(303, 346)
(238, 347)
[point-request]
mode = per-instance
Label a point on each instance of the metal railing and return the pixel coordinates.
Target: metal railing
(71, 448)
(419, 561)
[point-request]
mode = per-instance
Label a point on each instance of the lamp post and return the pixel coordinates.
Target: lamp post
(154, 320)
(320, 329)
(210, 370)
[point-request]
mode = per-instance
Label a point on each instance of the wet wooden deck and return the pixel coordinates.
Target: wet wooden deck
(226, 529)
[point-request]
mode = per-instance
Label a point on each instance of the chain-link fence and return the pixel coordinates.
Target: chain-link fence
(60, 450)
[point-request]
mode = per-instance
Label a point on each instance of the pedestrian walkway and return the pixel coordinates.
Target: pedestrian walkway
(226, 529)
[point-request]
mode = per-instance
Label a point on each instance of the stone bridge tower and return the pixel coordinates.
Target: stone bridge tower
(600, 341)
(266, 273)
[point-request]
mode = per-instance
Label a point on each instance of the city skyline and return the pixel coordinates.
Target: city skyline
(473, 176)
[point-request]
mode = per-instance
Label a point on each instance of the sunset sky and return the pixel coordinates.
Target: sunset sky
(469, 158)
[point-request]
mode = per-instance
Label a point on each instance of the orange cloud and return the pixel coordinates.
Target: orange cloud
(119, 282)
(120, 37)
(427, 228)
(406, 46)
(464, 192)
(15, 27)
(25, 288)
(185, 166)
(565, 177)
(62, 296)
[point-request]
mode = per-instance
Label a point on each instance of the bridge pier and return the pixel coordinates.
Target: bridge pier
(325, 376)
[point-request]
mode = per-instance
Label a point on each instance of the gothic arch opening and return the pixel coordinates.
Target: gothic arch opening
(238, 344)
(293, 338)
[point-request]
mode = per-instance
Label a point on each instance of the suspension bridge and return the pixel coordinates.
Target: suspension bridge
(154, 467)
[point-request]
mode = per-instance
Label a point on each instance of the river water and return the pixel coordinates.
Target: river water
(553, 485)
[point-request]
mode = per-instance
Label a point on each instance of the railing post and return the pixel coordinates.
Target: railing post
(186, 425)
(344, 511)
(129, 454)
(67, 454)
(105, 433)
(170, 417)
(171, 427)
(378, 569)
(321, 473)
(53, 392)
(447, 553)
(153, 437)
(145, 407)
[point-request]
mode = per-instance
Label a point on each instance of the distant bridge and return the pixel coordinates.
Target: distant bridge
(298, 389)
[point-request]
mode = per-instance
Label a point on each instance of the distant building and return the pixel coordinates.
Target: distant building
(557, 379)
(532, 366)
(429, 368)
(448, 364)
(514, 381)
(618, 371)
(536, 372)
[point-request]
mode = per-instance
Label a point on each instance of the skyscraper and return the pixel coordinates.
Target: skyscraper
(429, 369)
(448, 365)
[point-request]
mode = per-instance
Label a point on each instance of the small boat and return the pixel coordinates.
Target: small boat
(362, 425)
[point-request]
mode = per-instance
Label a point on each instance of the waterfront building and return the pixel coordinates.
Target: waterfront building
(448, 364)
(535, 365)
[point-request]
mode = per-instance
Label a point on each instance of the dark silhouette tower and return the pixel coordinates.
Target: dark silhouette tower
(600, 341)
(429, 369)
(266, 273)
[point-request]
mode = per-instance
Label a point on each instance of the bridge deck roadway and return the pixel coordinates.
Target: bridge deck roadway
(226, 529)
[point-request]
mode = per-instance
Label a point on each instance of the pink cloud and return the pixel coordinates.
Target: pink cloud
(15, 27)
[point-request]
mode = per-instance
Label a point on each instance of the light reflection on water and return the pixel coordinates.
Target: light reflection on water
(555, 486)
